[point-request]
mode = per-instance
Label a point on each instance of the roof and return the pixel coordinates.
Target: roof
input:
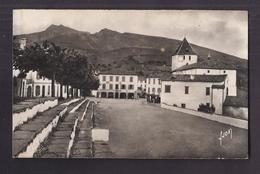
(208, 64)
(118, 73)
(218, 86)
(199, 78)
(159, 74)
(185, 48)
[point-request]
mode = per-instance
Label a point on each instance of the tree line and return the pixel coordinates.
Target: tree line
(65, 66)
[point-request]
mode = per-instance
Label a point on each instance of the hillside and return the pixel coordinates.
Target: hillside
(109, 49)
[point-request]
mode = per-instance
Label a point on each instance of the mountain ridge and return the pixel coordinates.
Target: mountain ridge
(108, 49)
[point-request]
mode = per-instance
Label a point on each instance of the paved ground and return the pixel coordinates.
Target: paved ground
(140, 130)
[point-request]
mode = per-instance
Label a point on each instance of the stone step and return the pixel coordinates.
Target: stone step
(82, 147)
(25, 134)
(58, 142)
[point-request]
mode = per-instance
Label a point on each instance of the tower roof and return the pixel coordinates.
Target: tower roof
(185, 48)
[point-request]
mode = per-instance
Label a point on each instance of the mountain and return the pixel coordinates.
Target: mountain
(109, 49)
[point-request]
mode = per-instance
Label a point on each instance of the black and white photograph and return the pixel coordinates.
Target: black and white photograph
(130, 84)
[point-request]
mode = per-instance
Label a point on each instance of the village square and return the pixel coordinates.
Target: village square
(65, 105)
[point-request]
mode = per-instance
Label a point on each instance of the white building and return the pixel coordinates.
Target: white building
(153, 86)
(189, 91)
(194, 83)
(184, 55)
(118, 85)
(211, 67)
(35, 86)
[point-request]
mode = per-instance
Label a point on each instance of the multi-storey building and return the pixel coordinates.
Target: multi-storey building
(193, 83)
(118, 85)
(153, 85)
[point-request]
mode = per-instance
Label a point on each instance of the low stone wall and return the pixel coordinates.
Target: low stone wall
(214, 117)
(22, 117)
(236, 112)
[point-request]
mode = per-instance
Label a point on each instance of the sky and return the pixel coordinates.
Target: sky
(225, 31)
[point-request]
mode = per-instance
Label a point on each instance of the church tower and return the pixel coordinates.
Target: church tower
(184, 55)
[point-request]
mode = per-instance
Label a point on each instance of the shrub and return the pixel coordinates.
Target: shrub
(206, 108)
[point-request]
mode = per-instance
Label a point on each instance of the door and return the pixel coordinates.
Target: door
(43, 91)
(29, 91)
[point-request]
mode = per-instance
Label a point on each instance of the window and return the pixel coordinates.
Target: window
(183, 105)
(104, 78)
(189, 57)
(131, 87)
(148, 90)
(149, 81)
(186, 90)
(104, 86)
(116, 86)
(183, 57)
(122, 86)
(110, 86)
(49, 89)
(153, 90)
(159, 81)
(207, 90)
(37, 90)
(131, 79)
(167, 88)
(153, 81)
(117, 78)
(123, 78)
(187, 63)
(227, 91)
(159, 90)
(111, 78)
(208, 71)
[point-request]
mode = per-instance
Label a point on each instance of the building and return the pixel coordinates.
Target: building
(118, 85)
(194, 83)
(212, 67)
(153, 85)
(190, 91)
(34, 85)
(38, 86)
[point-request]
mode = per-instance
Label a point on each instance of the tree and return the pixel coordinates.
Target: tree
(65, 66)
(44, 58)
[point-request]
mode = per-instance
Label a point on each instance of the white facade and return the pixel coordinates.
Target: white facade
(191, 93)
(153, 86)
(196, 94)
(231, 77)
(118, 86)
(141, 83)
(181, 60)
(41, 87)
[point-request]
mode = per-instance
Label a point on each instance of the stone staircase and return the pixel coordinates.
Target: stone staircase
(27, 137)
(61, 140)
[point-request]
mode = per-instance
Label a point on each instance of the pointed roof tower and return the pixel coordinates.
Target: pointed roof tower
(185, 48)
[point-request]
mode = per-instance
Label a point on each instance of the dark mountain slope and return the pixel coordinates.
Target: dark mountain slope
(109, 49)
